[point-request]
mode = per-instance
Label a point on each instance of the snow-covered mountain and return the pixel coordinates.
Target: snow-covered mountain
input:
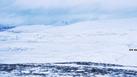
(102, 41)
(5, 27)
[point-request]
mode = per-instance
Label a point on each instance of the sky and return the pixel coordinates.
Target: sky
(50, 12)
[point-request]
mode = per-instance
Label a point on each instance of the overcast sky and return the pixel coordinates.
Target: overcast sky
(53, 11)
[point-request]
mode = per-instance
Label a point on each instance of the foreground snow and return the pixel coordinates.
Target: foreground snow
(106, 41)
(68, 69)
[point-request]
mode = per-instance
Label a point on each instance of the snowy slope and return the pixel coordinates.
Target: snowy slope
(103, 41)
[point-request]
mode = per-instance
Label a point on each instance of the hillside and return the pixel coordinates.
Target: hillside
(102, 41)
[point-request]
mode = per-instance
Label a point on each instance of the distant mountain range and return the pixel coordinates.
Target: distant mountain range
(5, 27)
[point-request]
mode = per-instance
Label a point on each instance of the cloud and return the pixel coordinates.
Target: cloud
(51, 3)
(106, 5)
(49, 11)
(118, 5)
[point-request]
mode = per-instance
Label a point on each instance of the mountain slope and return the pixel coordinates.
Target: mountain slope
(104, 41)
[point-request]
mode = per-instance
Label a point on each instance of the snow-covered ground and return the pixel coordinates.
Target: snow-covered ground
(102, 41)
(66, 69)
